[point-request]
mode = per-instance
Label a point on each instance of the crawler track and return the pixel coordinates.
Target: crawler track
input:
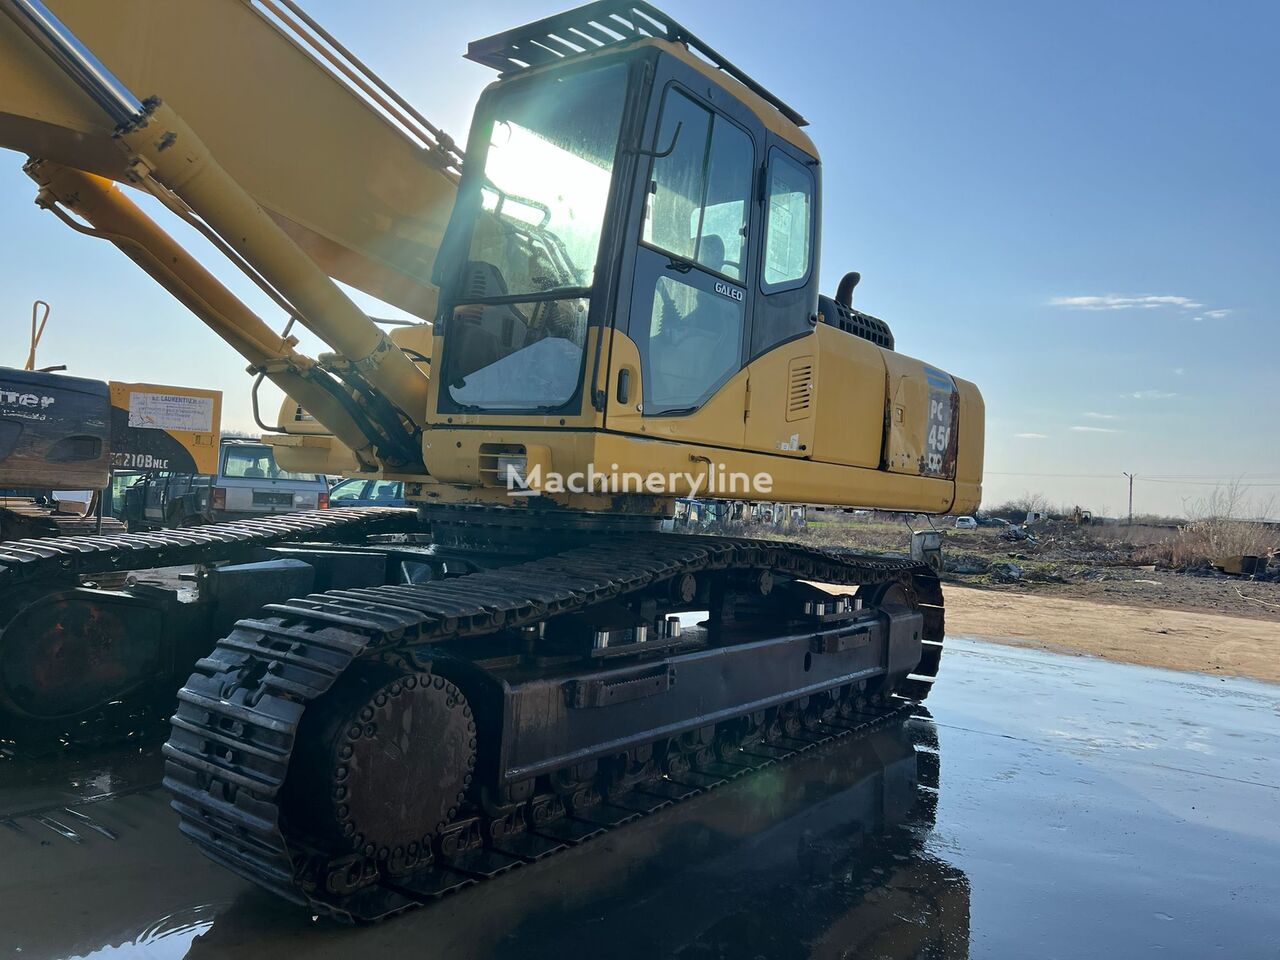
(23, 561)
(239, 716)
(33, 520)
(35, 571)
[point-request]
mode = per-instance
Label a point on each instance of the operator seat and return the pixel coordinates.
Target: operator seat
(711, 252)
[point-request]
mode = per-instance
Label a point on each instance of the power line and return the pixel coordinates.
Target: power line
(1064, 476)
(1266, 480)
(1205, 483)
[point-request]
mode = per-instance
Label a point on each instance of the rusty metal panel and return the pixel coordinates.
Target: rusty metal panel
(922, 419)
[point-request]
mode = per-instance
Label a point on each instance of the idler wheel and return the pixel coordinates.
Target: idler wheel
(386, 762)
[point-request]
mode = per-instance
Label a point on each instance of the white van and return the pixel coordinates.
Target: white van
(966, 523)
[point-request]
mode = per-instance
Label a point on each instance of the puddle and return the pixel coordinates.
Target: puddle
(1045, 810)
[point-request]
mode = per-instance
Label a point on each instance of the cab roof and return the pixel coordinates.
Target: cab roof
(596, 26)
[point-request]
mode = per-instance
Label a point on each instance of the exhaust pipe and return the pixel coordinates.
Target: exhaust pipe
(844, 293)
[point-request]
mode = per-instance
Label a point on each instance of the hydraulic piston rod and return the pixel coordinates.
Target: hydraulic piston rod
(75, 59)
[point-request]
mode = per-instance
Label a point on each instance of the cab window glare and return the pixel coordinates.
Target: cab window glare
(698, 193)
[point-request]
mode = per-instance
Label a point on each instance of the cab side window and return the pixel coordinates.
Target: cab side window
(697, 214)
(699, 191)
(789, 228)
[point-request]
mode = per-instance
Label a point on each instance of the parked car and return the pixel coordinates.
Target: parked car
(966, 523)
(363, 492)
(248, 484)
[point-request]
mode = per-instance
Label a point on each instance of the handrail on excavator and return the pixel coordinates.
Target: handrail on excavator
(317, 41)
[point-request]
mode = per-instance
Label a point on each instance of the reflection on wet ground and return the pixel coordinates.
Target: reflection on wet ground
(1051, 807)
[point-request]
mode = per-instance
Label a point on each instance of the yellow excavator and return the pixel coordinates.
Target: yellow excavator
(618, 288)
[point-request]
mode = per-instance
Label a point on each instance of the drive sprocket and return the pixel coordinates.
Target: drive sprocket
(395, 755)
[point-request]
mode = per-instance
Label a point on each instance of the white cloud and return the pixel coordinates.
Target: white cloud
(1032, 436)
(1211, 315)
(1101, 416)
(1093, 430)
(1178, 371)
(1114, 301)
(1149, 395)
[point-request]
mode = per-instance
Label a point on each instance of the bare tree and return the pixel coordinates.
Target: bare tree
(1224, 524)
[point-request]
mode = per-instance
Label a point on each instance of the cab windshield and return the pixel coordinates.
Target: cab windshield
(517, 336)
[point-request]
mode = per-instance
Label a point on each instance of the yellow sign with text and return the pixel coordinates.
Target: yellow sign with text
(162, 428)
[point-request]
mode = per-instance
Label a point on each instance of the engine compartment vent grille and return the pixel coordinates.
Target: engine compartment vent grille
(799, 388)
(855, 322)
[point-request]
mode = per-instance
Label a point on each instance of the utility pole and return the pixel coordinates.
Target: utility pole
(1130, 476)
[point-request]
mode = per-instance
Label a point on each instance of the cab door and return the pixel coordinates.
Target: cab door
(784, 369)
(677, 370)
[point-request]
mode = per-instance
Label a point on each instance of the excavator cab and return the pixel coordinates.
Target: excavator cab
(638, 186)
(632, 256)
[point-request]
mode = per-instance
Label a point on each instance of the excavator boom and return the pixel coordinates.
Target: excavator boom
(359, 181)
(280, 195)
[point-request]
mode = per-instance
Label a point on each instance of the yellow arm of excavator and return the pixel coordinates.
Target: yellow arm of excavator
(265, 133)
(283, 111)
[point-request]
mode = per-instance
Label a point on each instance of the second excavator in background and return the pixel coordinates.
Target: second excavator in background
(62, 436)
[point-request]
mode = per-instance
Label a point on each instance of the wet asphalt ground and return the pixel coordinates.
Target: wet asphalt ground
(1049, 807)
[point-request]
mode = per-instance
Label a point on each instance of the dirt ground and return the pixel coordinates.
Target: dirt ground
(1166, 590)
(1178, 639)
(1094, 592)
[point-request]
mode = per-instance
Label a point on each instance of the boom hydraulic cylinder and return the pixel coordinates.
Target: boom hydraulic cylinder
(161, 146)
(113, 216)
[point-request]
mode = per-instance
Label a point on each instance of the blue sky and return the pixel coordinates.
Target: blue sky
(1073, 205)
